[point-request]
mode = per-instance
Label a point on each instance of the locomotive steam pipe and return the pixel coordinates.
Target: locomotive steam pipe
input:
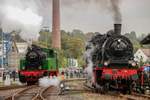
(117, 29)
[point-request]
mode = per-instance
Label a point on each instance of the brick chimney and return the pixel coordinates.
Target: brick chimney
(56, 36)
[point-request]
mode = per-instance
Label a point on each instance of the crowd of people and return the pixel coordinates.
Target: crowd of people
(73, 73)
(13, 75)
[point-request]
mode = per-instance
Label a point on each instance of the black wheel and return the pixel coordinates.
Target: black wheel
(22, 79)
(46, 74)
(104, 89)
(127, 90)
(31, 83)
(124, 91)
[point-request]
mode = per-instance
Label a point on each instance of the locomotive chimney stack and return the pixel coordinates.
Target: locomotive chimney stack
(117, 29)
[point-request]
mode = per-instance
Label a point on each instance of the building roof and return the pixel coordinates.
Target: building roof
(146, 52)
(146, 40)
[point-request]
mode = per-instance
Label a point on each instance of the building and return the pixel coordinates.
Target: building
(18, 51)
(142, 55)
(146, 40)
(22, 48)
(15, 55)
(72, 62)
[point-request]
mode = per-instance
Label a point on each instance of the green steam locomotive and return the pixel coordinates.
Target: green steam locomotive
(37, 63)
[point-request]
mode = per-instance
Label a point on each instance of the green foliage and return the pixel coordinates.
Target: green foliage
(81, 61)
(133, 38)
(73, 44)
(62, 60)
(45, 38)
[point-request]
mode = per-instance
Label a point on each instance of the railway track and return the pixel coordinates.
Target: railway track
(133, 96)
(73, 86)
(11, 87)
(141, 95)
(32, 93)
(9, 90)
(74, 79)
(23, 93)
(41, 94)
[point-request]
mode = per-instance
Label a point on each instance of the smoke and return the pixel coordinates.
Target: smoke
(46, 82)
(21, 16)
(116, 11)
(112, 5)
(88, 57)
(114, 8)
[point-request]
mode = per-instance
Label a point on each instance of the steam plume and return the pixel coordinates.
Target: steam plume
(17, 15)
(116, 11)
(46, 82)
(111, 5)
(88, 57)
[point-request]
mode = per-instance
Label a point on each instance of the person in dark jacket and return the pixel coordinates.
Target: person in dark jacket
(14, 75)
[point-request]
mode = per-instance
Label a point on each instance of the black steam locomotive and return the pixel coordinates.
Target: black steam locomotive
(112, 58)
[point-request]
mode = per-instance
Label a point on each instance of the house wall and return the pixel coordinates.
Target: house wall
(14, 56)
(140, 56)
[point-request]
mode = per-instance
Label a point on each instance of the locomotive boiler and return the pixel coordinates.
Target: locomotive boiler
(34, 57)
(112, 61)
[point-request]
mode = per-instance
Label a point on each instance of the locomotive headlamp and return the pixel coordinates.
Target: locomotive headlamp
(133, 64)
(106, 63)
(119, 40)
(23, 68)
(62, 85)
(40, 67)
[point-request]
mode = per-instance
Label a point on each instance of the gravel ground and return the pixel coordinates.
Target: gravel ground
(70, 94)
(5, 93)
(83, 96)
(79, 95)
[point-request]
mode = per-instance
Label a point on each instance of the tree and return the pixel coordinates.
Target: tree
(89, 35)
(133, 38)
(73, 44)
(45, 38)
(78, 33)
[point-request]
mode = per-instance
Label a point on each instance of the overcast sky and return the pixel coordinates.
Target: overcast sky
(89, 16)
(92, 17)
